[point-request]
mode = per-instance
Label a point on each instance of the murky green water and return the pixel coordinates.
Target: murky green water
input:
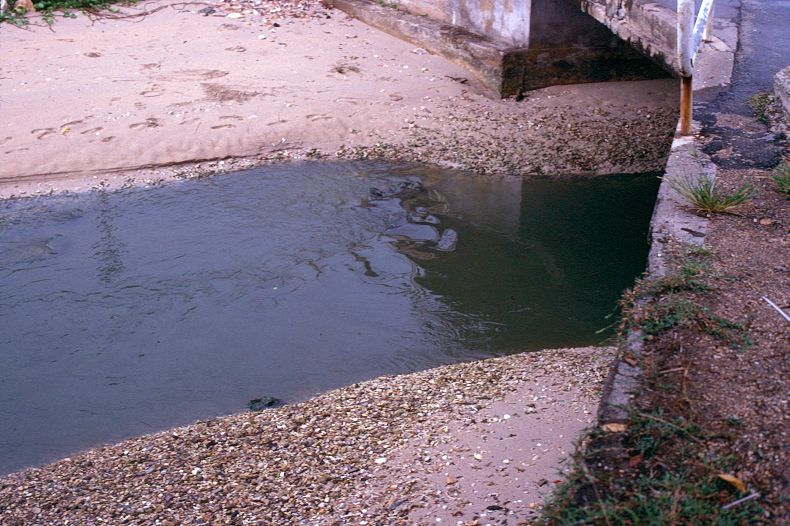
(125, 313)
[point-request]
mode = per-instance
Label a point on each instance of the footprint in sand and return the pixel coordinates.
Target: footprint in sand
(347, 100)
(153, 91)
(150, 122)
(139, 105)
(43, 132)
(189, 121)
(237, 49)
(74, 123)
(92, 131)
(92, 54)
(192, 75)
(108, 139)
(319, 117)
(5, 140)
(223, 126)
(230, 118)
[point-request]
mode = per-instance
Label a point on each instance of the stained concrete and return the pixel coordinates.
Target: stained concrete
(782, 90)
(511, 46)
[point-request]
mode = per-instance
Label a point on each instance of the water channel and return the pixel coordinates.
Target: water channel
(123, 313)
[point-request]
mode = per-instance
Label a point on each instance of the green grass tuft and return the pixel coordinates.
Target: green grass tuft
(782, 179)
(700, 192)
(759, 103)
(648, 492)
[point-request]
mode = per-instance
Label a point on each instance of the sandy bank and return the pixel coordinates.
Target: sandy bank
(171, 93)
(449, 442)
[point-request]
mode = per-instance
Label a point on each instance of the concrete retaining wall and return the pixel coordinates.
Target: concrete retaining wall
(672, 224)
(504, 20)
(782, 90)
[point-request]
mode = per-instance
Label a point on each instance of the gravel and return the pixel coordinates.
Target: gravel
(312, 463)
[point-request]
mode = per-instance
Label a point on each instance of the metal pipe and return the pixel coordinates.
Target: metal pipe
(686, 102)
(699, 26)
(685, 30)
(707, 35)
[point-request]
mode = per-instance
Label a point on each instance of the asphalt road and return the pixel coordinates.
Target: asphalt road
(763, 50)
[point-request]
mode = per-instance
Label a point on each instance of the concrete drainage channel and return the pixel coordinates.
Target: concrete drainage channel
(672, 222)
(504, 68)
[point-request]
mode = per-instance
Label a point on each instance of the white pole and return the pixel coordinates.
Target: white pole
(685, 32)
(685, 36)
(707, 36)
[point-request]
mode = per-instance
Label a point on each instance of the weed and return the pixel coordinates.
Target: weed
(14, 16)
(391, 5)
(698, 251)
(693, 152)
(66, 8)
(759, 103)
(660, 469)
(732, 333)
(646, 490)
(689, 278)
(672, 312)
(669, 314)
(701, 193)
(735, 422)
(782, 179)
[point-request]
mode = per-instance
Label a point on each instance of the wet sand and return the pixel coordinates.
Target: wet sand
(175, 93)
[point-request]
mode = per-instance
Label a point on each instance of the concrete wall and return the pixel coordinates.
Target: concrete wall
(507, 20)
(646, 25)
(511, 45)
(518, 23)
(555, 23)
(782, 91)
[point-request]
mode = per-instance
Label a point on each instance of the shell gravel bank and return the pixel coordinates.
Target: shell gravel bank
(458, 444)
(163, 90)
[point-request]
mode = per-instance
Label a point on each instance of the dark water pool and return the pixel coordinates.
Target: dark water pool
(128, 312)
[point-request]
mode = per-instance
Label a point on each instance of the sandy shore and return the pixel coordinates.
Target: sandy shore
(144, 98)
(452, 445)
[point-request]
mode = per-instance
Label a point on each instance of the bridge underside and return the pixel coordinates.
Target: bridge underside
(517, 45)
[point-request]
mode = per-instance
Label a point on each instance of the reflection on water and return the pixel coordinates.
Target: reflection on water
(124, 313)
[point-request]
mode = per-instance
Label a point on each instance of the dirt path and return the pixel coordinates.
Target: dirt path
(137, 98)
